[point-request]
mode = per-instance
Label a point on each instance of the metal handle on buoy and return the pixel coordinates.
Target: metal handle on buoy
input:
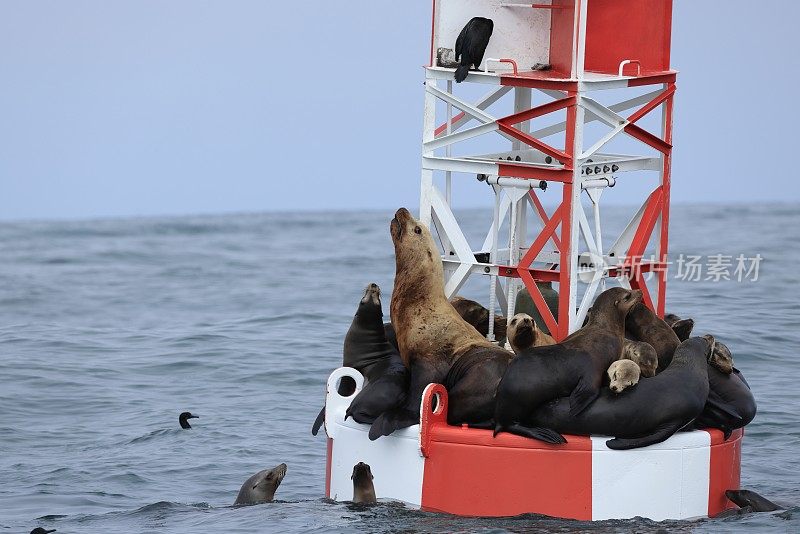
(631, 61)
(500, 60)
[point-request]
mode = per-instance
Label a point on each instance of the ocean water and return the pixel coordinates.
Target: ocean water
(110, 328)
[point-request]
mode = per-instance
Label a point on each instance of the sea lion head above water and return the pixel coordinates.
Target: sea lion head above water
(261, 487)
(363, 488)
(623, 374)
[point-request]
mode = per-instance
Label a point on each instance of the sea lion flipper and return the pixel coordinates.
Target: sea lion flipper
(582, 396)
(534, 432)
(715, 403)
(318, 422)
(662, 433)
(392, 420)
(748, 498)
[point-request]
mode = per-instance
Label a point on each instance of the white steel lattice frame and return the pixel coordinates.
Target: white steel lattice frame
(576, 168)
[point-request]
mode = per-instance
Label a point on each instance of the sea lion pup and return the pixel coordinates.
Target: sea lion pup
(643, 354)
(644, 325)
(363, 488)
(623, 374)
(432, 337)
(647, 414)
(575, 367)
(751, 500)
(471, 45)
(367, 349)
(523, 333)
(261, 487)
(478, 316)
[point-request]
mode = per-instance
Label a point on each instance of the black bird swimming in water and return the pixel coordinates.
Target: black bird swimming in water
(182, 419)
(40, 530)
(471, 44)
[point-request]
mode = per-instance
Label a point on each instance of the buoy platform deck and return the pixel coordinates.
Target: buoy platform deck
(463, 471)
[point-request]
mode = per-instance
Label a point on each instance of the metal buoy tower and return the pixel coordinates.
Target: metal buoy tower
(586, 48)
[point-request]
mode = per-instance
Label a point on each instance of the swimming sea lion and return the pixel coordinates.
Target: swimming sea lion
(40, 530)
(647, 414)
(261, 487)
(432, 337)
(363, 488)
(623, 374)
(183, 419)
(367, 349)
(644, 325)
(643, 354)
(575, 367)
(751, 500)
(523, 333)
(475, 314)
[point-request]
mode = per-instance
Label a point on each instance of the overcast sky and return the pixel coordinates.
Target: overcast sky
(150, 107)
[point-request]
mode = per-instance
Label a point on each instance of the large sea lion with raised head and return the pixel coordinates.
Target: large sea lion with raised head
(647, 414)
(575, 367)
(261, 487)
(436, 344)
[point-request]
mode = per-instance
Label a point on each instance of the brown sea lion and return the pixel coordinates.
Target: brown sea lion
(623, 374)
(523, 333)
(261, 487)
(575, 367)
(643, 354)
(644, 325)
(436, 344)
(475, 314)
(363, 488)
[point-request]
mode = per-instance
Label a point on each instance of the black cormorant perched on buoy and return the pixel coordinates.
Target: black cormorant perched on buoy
(182, 419)
(471, 44)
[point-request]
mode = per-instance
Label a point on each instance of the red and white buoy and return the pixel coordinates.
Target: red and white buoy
(463, 471)
(589, 47)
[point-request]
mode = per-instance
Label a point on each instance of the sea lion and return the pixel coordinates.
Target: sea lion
(623, 374)
(363, 488)
(575, 367)
(475, 314)
(671, 318)
(523, 333)
(644, 325)
(432, 337)
(183, 419)
(643, 354)
(647, 414)
(367, 349)
(721, 358)
(730, 403)
(40, 530)
(261, 487)
(751, 500)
